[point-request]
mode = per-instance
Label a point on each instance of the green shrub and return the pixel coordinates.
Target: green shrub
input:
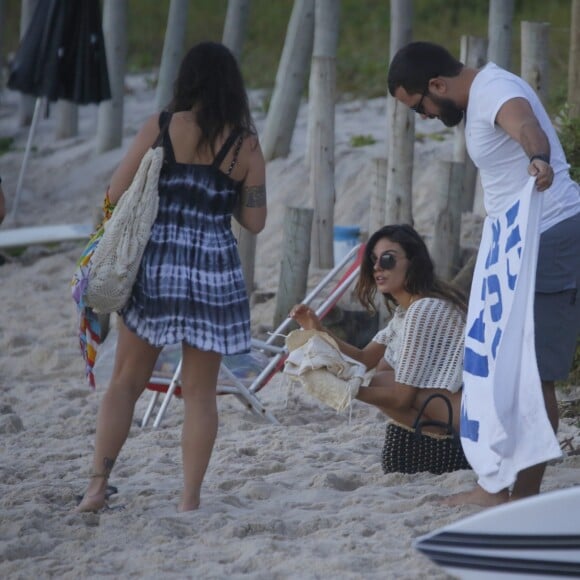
(570, 139)
(362, 140)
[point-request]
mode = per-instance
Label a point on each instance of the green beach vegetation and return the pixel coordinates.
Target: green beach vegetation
(364, 36)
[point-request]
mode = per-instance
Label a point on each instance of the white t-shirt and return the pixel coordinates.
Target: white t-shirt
(424, 344)
(502, 162)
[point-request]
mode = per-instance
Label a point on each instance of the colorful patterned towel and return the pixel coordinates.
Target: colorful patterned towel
(89, 323)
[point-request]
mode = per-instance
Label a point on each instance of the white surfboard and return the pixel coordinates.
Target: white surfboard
(536, 537)
(18, 237)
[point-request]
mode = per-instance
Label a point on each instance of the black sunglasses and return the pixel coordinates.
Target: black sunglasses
(418, 108)
(387, 261)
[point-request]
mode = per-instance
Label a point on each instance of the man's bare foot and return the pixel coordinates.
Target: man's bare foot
(477, 496)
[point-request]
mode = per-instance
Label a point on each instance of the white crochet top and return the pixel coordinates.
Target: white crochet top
(424, 344)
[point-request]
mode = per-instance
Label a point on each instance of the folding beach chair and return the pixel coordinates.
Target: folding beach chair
(246, 374)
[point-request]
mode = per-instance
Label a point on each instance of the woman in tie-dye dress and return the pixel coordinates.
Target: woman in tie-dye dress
(190, 288)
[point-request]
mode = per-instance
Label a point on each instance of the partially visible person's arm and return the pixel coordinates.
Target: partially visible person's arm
(251, 210)
(517, 119)
(2, 204)
(123, 175)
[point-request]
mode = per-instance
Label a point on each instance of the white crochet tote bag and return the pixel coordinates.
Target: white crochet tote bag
(114, 264)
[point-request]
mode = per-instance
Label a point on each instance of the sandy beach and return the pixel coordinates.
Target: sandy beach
(303, 499)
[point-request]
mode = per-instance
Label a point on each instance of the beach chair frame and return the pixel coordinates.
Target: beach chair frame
(246, 394)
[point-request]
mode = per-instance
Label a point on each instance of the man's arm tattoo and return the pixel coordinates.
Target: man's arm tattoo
(254, 196)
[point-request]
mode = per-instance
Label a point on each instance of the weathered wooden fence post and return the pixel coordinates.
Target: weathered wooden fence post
(574, 61)
(173, 45)
(26, 103)
(473, 53)
(499, 32)
(236, 25)
(233, 37)
(110, 115)
(295, 260)
(377, 206)
(401, 129)
(535, 52)
(290, 80)
(67, 115)
(447, 190)
(323, 96)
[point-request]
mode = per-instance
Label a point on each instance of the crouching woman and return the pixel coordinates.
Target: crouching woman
(420, 351)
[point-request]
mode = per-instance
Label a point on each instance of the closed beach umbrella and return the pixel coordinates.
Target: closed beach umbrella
(62, 54)
(61, 57)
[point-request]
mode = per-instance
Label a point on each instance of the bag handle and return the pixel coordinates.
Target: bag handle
(448, 427)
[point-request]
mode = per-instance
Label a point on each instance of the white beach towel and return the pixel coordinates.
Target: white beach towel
(323, 370)
(504, 425)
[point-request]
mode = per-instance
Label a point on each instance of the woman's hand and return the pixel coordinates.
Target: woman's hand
(305, 317)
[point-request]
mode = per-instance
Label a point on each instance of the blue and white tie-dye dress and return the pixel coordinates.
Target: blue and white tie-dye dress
(190, 285)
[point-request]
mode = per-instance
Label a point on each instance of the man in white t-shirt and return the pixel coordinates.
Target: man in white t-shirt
(510, 137)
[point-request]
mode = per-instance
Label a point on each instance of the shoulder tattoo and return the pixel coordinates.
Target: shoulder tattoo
(254, 196)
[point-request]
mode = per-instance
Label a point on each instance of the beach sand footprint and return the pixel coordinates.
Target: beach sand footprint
(346, 482)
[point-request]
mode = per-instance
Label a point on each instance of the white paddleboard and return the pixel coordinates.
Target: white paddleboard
(17, 237)
(536, 537)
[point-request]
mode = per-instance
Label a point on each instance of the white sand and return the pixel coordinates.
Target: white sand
(305, 499)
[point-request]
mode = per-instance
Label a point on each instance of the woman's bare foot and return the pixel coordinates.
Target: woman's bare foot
(189, 502)
(91, 503)
(96, 494)
(477, 496)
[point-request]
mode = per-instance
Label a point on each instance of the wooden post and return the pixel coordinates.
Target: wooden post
(173, 46)
(473, 53)
(401, 129)
(501, 14)
(235, 26)
(110, 116)
(574, 62)
(399, 201)
(290, 80)
(323, 87)
(535, 52)
(67, 120)
(233, 37)
(295, 261)
(26, 103)
(447, 189)
(377, 208)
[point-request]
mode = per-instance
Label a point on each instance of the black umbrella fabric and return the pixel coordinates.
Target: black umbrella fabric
(62, 54)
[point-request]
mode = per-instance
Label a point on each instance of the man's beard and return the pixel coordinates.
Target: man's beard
(449, 113)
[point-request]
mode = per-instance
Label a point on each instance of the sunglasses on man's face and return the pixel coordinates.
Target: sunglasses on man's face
(418, 108)
(386, 261)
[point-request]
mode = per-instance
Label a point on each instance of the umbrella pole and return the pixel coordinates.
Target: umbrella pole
(31, 133)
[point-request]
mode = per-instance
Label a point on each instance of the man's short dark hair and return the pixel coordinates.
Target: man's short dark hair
(416, 63)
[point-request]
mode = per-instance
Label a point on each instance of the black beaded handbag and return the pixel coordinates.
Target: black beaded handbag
(409, 450)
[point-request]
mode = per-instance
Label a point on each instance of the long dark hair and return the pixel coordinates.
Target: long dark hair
(210, 81)
(420, 278)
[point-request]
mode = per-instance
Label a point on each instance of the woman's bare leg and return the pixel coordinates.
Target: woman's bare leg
(199, 378)
(402, 402)
(134, 363)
